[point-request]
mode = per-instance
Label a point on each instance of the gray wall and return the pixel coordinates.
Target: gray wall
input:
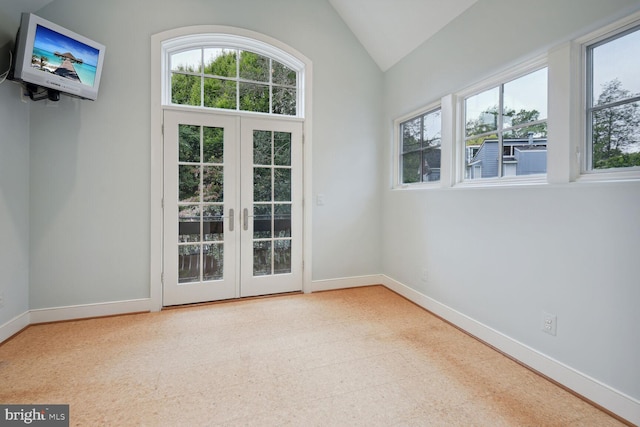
(14, 202)
(577, 244)
(90, 161)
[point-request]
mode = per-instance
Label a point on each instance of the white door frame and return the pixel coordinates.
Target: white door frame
(156, 150)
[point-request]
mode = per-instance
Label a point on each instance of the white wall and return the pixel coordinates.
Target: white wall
(14, 202)
(502, 256)
(90, 161)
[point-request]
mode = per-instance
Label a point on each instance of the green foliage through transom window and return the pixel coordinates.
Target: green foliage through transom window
(232, 79)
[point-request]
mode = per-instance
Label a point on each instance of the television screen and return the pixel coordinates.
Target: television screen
(52, 57)
(61, 55)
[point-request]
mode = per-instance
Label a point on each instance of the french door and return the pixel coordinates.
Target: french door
(232, 207)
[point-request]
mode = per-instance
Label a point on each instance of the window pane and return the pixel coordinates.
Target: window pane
(524, 154)
(525, 99)
(213, 149)
(616, 68)
(411, 134)
(482, 160)
(185, 90)
(189, 143)
(220, 93)
(220, 62)
(431, 164)
(254, 67)
(254, 97)
(411, 167)
(189, 61)
(284, 101)
(481, 112)
(616, 136)
(432, 129)
(283, 75)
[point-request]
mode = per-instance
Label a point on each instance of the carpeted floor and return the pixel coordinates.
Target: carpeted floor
(353, 357)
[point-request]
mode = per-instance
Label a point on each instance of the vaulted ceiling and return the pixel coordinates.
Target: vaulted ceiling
(388, 29)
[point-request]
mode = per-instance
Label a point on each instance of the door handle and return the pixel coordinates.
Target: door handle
(231, 219)
(245, 219)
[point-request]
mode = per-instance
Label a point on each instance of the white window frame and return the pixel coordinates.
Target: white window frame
(496, 80)
(224, 40)
(586, 172)
(397, 156)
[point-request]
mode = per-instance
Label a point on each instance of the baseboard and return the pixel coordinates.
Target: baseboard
(599, 393)
(57, 314)
(346, 282)
(13, 326)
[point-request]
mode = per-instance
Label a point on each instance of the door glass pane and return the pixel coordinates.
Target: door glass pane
(262, 184)
(261, 258)
(188, 263)
(188, 143)
(213, 145)
(282, 257)
(212, 260)
(262, 221)
(254, 97)
(189, 183)
(282, 182)
(282, 148)
(189, 223)
(212, 184)
(262, 147)
(213, 223)
(282, 220)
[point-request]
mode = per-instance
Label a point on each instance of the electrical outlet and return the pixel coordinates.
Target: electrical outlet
(549, 323)
(423, 277)
(1, 299)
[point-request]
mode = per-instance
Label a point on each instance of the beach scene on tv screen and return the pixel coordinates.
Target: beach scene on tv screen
(61, 55)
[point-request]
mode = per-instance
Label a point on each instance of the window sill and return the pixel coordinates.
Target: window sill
(419, 186)
(503, 182)
(610, 176)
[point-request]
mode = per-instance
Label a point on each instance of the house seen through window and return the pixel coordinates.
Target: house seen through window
(506, 129)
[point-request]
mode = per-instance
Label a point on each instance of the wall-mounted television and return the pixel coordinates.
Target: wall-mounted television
(49, 56)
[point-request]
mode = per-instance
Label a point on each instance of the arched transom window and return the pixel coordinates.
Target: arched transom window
(231, 72)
